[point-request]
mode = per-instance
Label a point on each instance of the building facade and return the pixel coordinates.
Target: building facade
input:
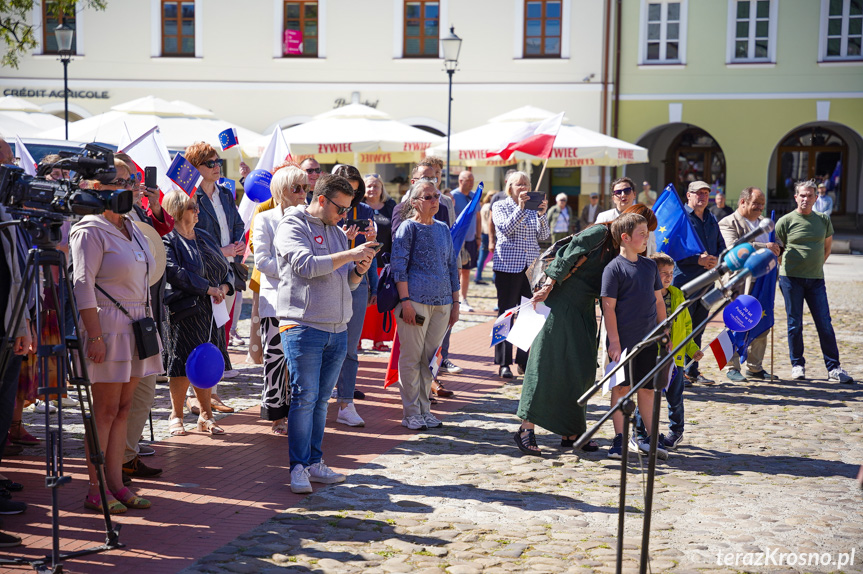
(265, 63)
(746, 93)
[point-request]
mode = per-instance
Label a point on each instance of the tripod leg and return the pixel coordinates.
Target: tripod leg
(626, 409)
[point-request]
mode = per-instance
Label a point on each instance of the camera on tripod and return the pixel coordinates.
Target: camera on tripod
(45, 203)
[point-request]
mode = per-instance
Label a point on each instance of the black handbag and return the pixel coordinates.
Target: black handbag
(183, 307)
(145, 330)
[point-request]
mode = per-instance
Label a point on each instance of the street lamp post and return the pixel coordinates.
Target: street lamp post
(64, 35)
(451, 46)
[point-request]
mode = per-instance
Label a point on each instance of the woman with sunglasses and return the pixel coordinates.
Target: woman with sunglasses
(426, 275)
(110, 255)
(383, 206)
(623, 195)
(289, 187)
(218, 216)
(198, 276)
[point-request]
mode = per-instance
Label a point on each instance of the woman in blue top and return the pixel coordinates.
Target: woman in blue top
(426, 274)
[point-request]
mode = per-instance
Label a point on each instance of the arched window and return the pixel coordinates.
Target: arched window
(695, 156)
(813, 152)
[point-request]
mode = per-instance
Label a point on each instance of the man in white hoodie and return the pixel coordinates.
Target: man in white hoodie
(317, 273)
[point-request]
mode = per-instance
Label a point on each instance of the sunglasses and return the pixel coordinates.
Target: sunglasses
(341, 210)
(211, 163)
(194, 208)
(622, 191)
(120, 182)
(435, 197)
(301, 189)
(313, 170)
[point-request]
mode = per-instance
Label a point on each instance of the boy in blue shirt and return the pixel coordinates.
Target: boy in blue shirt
(632, 305)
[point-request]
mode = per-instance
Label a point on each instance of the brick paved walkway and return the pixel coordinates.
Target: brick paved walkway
(214, 489)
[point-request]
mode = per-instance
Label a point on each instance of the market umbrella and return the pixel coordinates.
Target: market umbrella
(357, 134)
(25, 119)
(575, 146)
(180, 123)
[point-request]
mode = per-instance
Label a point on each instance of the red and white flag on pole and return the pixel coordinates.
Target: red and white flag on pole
(723, 348)
(28, 164)
(276, 152)
(536, 139)
(149, 149)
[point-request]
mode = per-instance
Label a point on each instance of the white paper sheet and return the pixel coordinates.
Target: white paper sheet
(220, 313)
(528, 324)
(619, 377)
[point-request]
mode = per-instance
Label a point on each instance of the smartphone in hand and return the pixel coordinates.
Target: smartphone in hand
(535, 200)
(362, 224)
(150, 175)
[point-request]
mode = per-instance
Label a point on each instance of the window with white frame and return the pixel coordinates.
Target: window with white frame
(751, 31)
(663, 32)
(841, 29)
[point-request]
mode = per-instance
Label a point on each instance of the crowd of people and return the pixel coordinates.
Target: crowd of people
(318, 246)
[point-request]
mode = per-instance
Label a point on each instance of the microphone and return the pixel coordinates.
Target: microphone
(757, 265)
(733, 261)
(765, 226)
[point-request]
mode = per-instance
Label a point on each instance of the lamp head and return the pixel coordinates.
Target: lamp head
(64, 35)
(451, 46)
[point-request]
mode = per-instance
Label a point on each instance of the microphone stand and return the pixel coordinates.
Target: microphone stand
(626, 406)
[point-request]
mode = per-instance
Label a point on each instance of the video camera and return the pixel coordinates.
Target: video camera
(43, 204)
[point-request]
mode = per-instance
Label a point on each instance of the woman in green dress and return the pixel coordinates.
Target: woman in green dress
(562, 360)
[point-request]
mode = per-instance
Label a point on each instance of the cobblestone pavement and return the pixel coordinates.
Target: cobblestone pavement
(764, 468)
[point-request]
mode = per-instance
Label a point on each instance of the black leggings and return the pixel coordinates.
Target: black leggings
(511, 287)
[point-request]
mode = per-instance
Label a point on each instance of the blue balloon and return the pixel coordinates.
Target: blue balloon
(257, 185)
(205, 366)
(742, 314)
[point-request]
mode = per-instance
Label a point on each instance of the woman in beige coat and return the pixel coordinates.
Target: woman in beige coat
(108, 250)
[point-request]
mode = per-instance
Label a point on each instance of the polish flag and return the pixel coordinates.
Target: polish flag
(722, 348)
(276, 152)
(437, 360)
(392, 375)
(149, 149)
(536, 139)
(28, 164)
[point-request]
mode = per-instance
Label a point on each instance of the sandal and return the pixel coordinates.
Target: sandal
(209, 426)
(21, 436)
(525, 442)
(95, 503)
(591, 446)
(280, 427)
(195, 410)
(131, 500)
(176, 428)
(217, 405)
(382, 347)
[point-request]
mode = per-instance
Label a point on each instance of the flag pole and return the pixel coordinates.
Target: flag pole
(771, 354)
(541, 173)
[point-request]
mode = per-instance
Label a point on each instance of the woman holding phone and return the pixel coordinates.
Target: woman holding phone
(520, 223)
(426, 273)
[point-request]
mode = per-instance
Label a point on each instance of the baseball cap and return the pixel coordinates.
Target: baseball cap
(696, 185)
(594, 195)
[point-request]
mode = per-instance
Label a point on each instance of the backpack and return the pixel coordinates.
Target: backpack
(536, 271)
(388, 295)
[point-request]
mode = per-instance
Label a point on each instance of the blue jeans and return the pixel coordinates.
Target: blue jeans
(674, 398)
(348, 375)
(314, 359)
(796, 290)
(483, 253)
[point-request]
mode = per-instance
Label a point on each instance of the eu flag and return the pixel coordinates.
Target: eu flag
(230, 184)
(765, 291)
(675, 235)
(468, 214)
(184, 174)
(228, 138)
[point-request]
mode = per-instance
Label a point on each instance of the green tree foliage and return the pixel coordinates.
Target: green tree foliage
(18, 31)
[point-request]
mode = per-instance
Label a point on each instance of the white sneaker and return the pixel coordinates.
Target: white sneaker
(348, 416)
(798, 373)
(432, 421)
(41, 405)
(839, 374)
(451, 367)
(238, 341)
(67, 402)
(300, 480)
(464, 307)
(414, 422)
(644, 447)
(335, 393)
(319, 472)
